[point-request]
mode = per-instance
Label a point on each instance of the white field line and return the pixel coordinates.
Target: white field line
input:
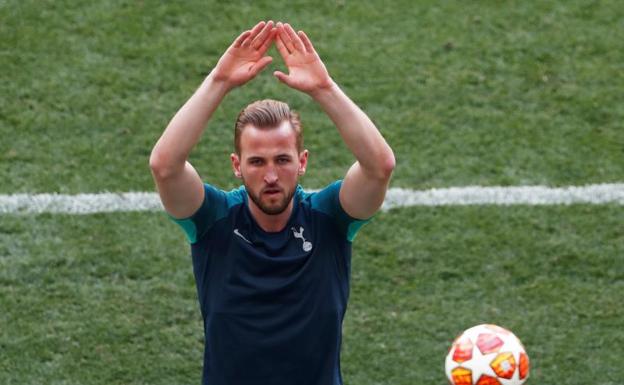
(396, 197)
(612, 193)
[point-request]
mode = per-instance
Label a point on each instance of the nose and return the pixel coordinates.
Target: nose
(270, 177)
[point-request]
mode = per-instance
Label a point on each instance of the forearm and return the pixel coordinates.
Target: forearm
(186, 127)
(357, 131)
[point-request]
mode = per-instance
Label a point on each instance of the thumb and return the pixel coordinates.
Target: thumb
(282, 77)
(261, 64)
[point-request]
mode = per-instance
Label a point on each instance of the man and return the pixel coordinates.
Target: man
(271, 262)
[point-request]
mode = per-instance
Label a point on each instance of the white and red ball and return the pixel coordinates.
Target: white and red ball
(487, 355)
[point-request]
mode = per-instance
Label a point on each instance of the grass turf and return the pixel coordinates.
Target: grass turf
(466, 93)
(87, 304)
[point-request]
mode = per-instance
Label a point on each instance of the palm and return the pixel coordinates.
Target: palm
(307, 74)
(245, 58)
(238, 64)
(306, 71)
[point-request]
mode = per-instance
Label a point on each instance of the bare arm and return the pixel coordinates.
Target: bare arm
(179, 185)
(365, 184)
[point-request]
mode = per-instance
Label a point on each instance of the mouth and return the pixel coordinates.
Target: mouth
(272, 191)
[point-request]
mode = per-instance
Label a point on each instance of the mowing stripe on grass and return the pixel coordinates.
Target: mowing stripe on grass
(397, 197)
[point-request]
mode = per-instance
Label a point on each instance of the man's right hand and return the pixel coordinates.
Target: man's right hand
(245, 58)
(179, 185)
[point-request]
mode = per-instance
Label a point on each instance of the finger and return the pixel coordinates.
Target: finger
(281, 47)
(285, 38)
(260, 65)
(306, 42)
(282, 77)
(258, 41)
(294, 38)
(240, 39)
(254, 32)
(269, 40)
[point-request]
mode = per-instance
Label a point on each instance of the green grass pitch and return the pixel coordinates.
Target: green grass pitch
(467, 93)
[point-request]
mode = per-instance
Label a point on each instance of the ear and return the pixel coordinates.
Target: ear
(303, 162)
(236, 165)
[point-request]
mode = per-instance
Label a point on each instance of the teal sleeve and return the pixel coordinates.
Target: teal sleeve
(214, 207)
(327, 201)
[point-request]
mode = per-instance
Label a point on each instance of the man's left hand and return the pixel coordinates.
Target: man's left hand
(306, 71)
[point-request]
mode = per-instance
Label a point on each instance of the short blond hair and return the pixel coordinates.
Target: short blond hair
(267, 114)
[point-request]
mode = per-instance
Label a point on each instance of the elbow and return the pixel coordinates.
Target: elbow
(161, 165)
(157, 164)
(382, 168)
(387, 165)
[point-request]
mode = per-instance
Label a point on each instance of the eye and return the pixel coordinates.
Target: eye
(255, 161)
(283, 160)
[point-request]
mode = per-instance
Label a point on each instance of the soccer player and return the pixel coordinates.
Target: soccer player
(271, 262)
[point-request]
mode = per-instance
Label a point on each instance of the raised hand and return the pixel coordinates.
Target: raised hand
(306, 71)
(245, 58)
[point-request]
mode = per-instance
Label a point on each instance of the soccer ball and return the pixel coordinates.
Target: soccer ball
(487, 355)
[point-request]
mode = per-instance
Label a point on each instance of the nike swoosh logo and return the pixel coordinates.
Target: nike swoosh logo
(241, 235)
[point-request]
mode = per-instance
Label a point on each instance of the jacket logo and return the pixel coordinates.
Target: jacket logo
(241, 235)
(307, 246)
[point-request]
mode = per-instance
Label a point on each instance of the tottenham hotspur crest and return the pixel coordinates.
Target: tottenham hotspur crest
(307, 246)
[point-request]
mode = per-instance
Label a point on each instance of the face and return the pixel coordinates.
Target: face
(269, 165)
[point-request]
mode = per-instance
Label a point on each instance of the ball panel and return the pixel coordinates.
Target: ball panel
(463, 350)
(461, 376)
(488, 343)
(524, 365)
(487, 380)
(504, 365)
